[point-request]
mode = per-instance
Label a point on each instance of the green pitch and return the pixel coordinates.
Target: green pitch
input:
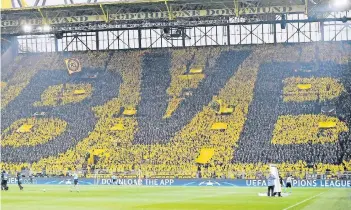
(169, 198)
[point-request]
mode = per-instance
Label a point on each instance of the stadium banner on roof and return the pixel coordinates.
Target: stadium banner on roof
(157, 15)
(318, 183)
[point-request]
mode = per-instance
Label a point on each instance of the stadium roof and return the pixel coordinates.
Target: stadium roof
(13, 4)
(133, 6)
(141, 11)
(129, 6)
(141, 3)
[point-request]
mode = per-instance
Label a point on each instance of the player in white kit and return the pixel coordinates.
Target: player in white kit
(288, 183)
(75, 182)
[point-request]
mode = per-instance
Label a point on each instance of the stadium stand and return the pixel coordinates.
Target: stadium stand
(26, 86)
(153, 111)
(19, 133)
(5, 44)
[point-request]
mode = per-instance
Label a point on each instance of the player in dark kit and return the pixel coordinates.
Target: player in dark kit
(281, 184)
(31, 178)
(19, 181)
(288, 183)
(114, 179)
(4, 177)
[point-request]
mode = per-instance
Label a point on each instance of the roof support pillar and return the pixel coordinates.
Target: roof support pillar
(45, 20)
(169, 10)
(105, 13)
(236, 8)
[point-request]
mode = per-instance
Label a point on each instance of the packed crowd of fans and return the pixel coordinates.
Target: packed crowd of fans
(256, 140)
(3, 85)
(20, 72)
(173, 116)
(181, 63)
(64, 94)
(45, 130)
(51, 71)
(5, 44)
(303, 129)
(321, 89)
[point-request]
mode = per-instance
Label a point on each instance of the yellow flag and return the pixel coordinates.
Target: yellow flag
(205, 155)
(79, 92)
(117, 127)
(196, 70)
(304, 86)
(25, 128)
(96, 152)
(219, 126)
(327, 124)
(129, 112)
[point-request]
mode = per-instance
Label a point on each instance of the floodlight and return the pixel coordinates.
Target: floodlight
(46, 28)
(27, 28)
(341, 4)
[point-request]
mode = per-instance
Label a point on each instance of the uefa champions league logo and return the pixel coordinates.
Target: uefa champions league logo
(209, 183)
(66, 182)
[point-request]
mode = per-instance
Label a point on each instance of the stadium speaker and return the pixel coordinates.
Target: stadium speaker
(283, 22)
(176, 35)
(166, 30)
(344, 19)
(59, 35)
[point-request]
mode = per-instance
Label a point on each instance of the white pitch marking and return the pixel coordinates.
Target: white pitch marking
(303, 201)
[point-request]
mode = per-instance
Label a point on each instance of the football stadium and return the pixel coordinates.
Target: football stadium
(175, 104)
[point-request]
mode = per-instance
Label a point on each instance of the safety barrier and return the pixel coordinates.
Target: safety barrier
(323, 183)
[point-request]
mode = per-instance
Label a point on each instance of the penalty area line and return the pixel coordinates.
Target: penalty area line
(303, 201)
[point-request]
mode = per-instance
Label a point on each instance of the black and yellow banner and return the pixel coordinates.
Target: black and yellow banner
(157, 15)
(73, 65)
